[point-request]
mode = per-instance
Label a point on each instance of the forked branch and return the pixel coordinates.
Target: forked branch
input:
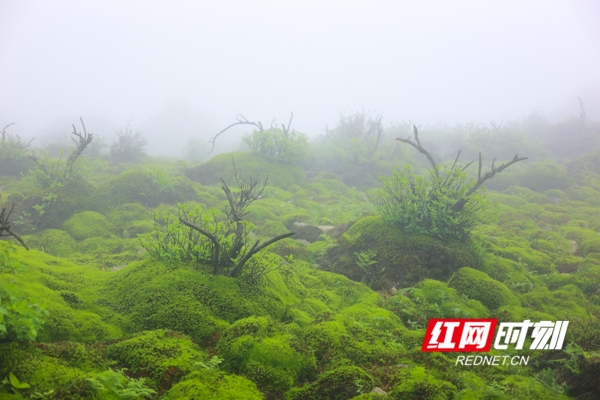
(4, 131)
(241, 120)
(212, 238)
(420, 148)
(5, 229)
(83, 141)
(459, 205)
(255, 249)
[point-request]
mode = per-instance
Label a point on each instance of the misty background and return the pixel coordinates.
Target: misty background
(185, 69)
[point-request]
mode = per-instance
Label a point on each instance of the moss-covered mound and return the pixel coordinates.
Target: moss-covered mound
(44, 209)
(88, 224)
(339, 384)
(383, 256)
(139, 187)
(247, 164)
(163, 356)
(271, 357)
(213, 385)
(479, 286)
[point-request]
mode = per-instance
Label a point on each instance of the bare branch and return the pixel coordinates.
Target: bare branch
(377, 126)
(459, 205)
(5, 226)
(255, 249)
(420, 148)
(286, 130)
(84, 140)
(212, 238)
(241, 120)
(4, 131)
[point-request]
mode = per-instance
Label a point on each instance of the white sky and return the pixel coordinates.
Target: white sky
(183, 68)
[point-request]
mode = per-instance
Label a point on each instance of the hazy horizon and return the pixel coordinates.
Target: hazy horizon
(186, 69)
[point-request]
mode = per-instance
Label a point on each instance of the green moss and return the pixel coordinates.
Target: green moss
(49, 210)
(53, 241)
(340, 384)
(402, 260)
(248, 164)
(564, 303)
(258, 213)
(125, 214)
(289, 219)
(138, 187)
(532, 259)
(509, 272)
(545, 176)
(257, 348)
(449, 303)
(213, 385)
(270, 228)
(527, 388)
(417, 383)
(479, 286)
(138, 228)
(88, 224)
(164, 356)
(42, 370)
(289, 246)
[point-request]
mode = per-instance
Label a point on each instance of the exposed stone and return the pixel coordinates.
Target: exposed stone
(378, 391)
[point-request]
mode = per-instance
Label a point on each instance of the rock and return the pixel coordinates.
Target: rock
(307, 232)
(326, 228)
(574, 246)
(300, 224)
(378, 391)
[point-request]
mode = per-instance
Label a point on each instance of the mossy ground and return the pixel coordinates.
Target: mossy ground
(315, 328)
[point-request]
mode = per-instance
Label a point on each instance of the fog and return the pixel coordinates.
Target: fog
(185, 69)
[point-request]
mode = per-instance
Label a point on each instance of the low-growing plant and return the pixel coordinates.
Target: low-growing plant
(278, 145)
(220, 239)
(20, 317)
(444, 204)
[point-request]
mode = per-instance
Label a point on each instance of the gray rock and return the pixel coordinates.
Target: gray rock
(378, 391)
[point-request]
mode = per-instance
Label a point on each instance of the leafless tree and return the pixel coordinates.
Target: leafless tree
(82, 142)
(6, 136)
(128, 145)
(241, 120)
(460, 203)
(5, 229)
(247, 193)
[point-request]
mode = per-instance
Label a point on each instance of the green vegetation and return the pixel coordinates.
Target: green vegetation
(121, 296)
(278, 145)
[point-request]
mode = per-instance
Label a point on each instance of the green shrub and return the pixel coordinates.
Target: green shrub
(427, 206)
(278, 146)
(479, 286)
(20, 318)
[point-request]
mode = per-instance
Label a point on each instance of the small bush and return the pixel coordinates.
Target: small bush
(278, 146)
